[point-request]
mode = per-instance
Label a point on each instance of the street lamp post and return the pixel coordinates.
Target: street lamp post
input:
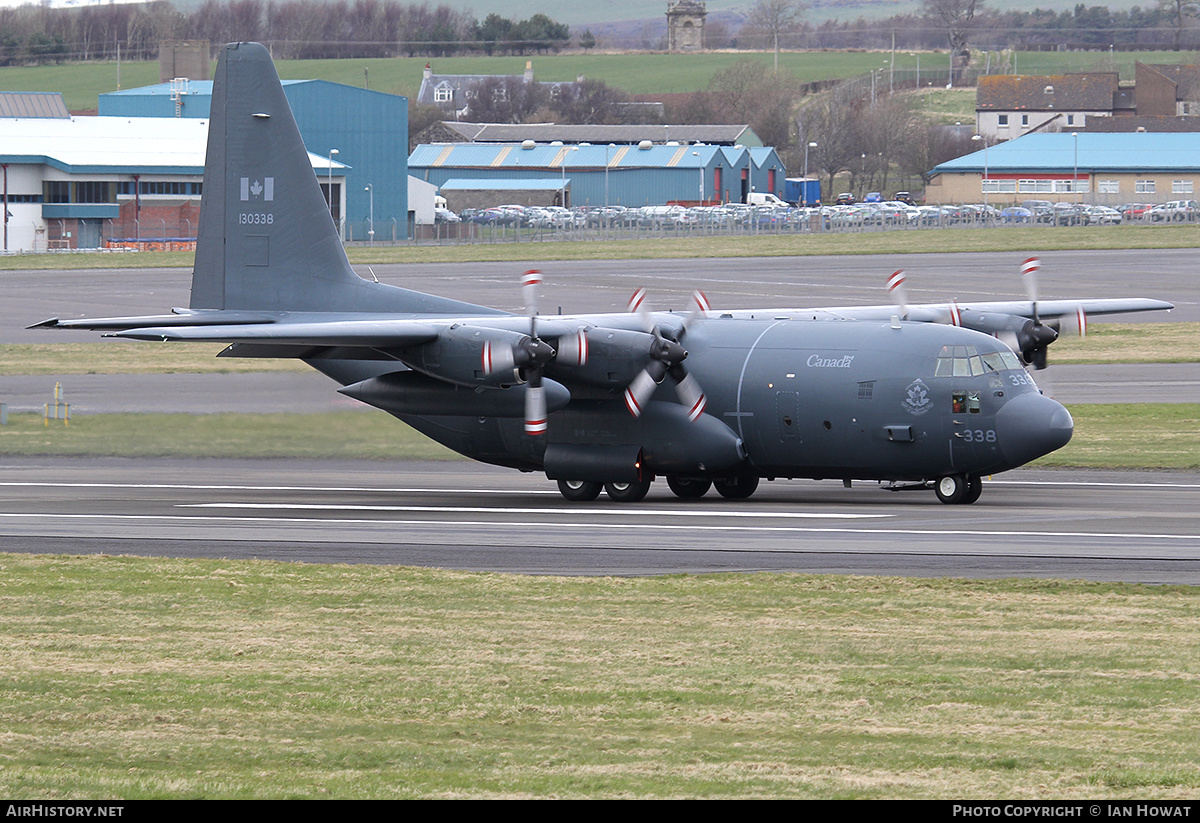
(562, 192)
(607, 149)
(332, 154)
(1075, 174)
(371, 231)
(806, 148)
(987, 215)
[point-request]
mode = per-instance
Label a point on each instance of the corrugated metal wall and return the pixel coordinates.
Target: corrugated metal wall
(368, 128)
(596, 175)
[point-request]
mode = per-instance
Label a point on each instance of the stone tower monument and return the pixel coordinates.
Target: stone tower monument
(685, 25)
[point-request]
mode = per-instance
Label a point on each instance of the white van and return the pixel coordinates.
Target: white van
(761, 198)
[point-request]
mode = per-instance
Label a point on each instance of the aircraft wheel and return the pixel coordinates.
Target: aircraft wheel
(736, 488)
(689, 488)
(952, 488)
(627, 492)
(579, 490)
(974, 489)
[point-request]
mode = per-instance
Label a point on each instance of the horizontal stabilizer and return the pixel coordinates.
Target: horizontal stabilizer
(224, 318)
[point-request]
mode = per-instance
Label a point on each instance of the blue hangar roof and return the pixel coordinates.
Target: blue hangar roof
(544, 156)
(1129, 152)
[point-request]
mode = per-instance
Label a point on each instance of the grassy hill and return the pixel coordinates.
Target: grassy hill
(640, 73)
(585, 14)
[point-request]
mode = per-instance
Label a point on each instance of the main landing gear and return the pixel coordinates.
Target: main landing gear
(685, 488)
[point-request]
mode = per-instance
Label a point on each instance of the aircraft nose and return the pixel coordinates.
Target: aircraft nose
(1031, 425)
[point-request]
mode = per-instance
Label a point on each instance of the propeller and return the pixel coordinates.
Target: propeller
(1029, 336)
(529, 355)
(666, 357)
(540, 354)
(1036, 336)
(895, 287)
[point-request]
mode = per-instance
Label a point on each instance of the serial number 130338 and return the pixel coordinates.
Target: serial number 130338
(256, 218)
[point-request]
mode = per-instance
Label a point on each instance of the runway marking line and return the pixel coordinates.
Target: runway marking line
(641, 527)
(537, 491)
(617, 510)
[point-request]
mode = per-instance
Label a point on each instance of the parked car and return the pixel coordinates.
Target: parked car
(1016, 214)
(1102, 215)
(844, 199)
(1134, 211)
(1175, 211)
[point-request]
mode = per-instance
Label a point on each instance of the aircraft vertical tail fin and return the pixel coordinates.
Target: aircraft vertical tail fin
(266, 240)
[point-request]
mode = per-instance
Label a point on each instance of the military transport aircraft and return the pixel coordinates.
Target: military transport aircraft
(928, 396)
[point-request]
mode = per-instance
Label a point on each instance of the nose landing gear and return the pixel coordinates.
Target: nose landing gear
(958, 488)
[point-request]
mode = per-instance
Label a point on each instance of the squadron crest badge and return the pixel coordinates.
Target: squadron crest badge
(917, 399)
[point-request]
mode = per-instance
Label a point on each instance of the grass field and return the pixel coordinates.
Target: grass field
(1106, 343)
(637, 73)
(136, 678)
(1117, 435)
(130, 678)
(1030, 239)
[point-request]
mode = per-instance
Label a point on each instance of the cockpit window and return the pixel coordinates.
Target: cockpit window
(966, 361)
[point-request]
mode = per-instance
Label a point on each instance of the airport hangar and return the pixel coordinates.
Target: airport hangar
(480, 175)
(90, 169)
(88, 182)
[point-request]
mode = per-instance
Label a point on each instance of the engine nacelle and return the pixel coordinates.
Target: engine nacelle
(470, 356)
(611, 358)
(1021, 334)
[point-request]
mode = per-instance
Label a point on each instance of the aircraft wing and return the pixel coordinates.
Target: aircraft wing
(941, 312)
(1064, 308)
(355, 333)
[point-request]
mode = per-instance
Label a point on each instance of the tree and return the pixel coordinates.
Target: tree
(1179, 11)
(587, 40)
(540, 33)
(748, 92)
(832, 123)
(493, 32)
(504, 99)
(771, 18)
(957, 16)
(588, 102)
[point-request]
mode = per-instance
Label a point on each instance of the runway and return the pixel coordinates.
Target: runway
(601, 286)
(1081, 524)
(1126, 526)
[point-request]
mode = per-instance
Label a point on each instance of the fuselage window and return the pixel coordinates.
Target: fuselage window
(965, 401)
(965, 361)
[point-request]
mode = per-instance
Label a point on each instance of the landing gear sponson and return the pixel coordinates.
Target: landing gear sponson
(952, 489)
